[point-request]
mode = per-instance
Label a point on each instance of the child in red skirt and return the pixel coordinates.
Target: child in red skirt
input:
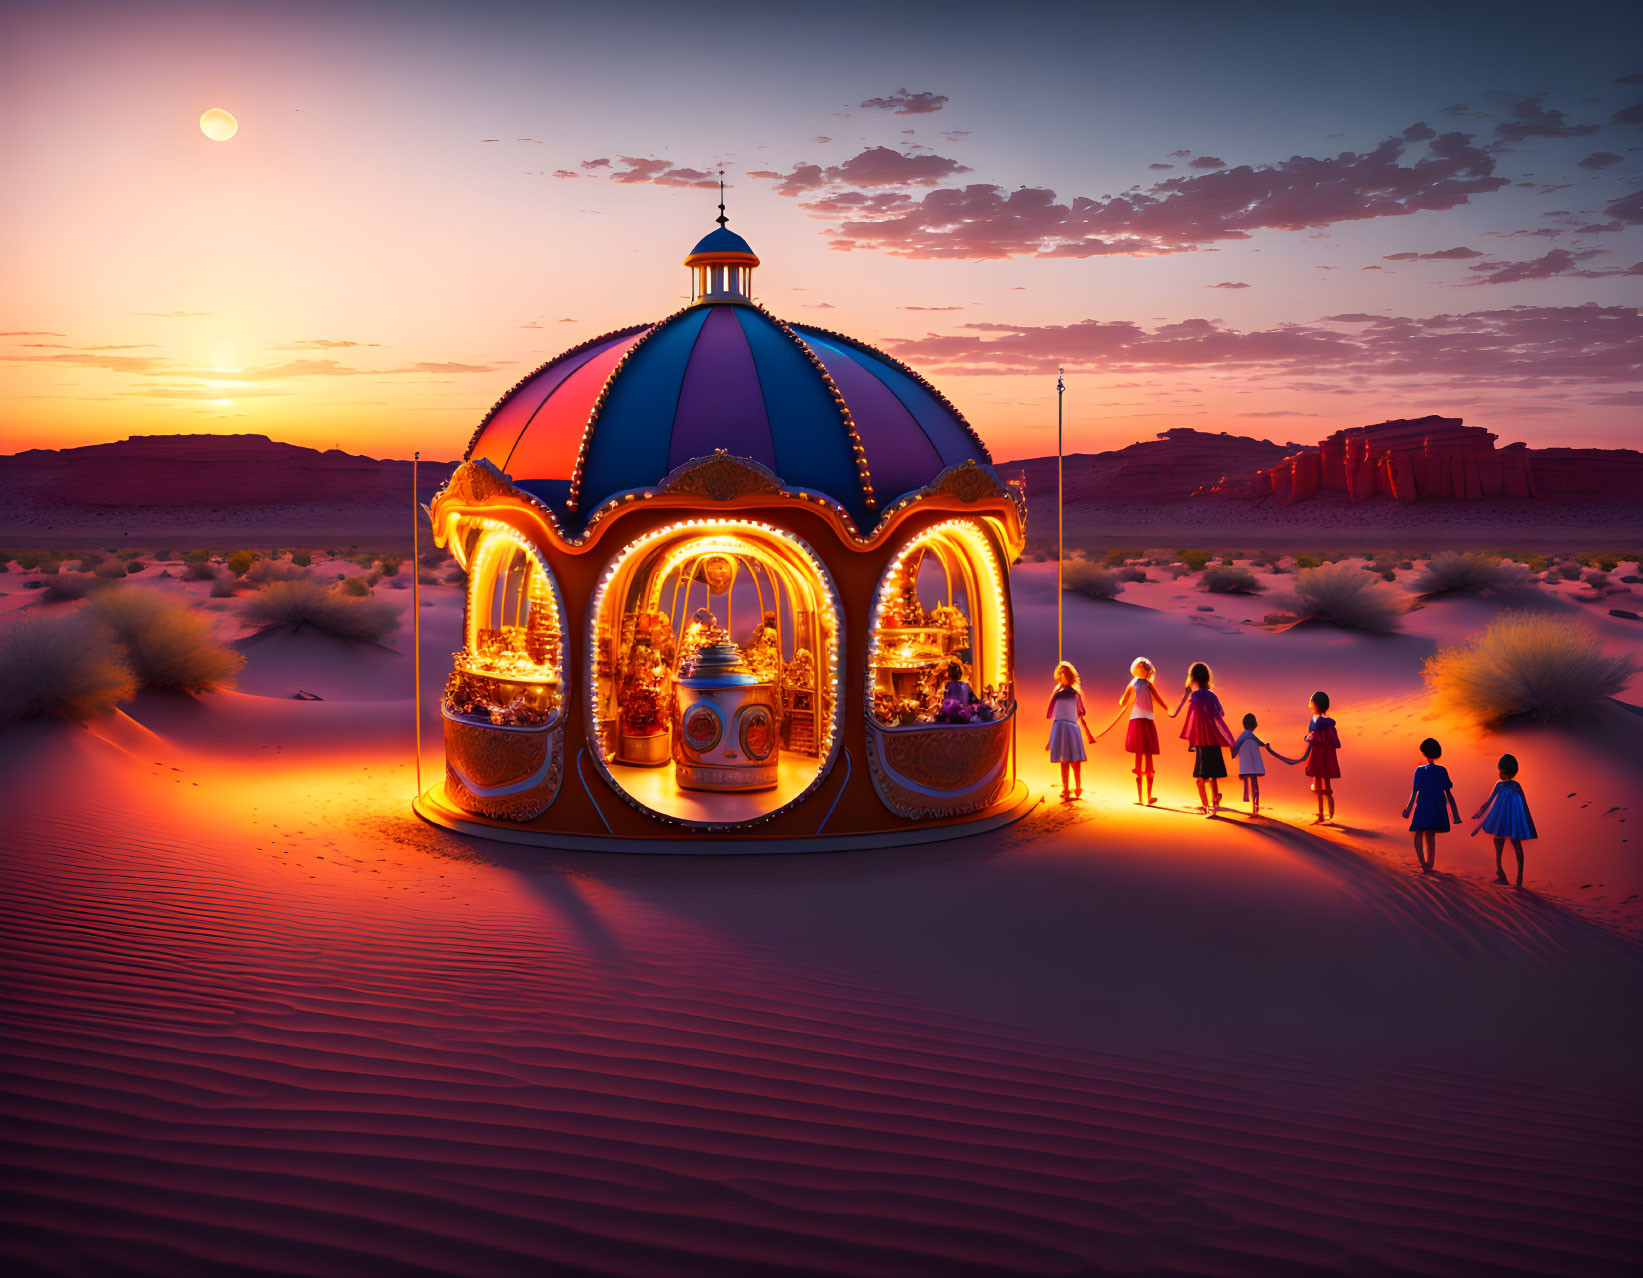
(1206, 732)
(1141, 737)
(1322, 765)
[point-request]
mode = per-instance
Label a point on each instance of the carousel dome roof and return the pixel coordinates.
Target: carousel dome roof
(720, 241)
(822, 411)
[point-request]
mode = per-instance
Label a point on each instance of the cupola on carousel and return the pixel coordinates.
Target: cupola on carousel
(733, 584)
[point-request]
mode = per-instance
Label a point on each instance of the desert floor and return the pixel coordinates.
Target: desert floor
(259, 1018)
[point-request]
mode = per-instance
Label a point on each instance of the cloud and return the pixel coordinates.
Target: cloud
(1457, 109)
(929, 308)
(1227, 284)
(656, 172)
(905, 103)
(173, 314)
(1419, 132)
(1179, 155)
(1564, 262)
(322, 344)
(1531, 120)
(1628, 208)
(1630, 79)
(1518, 345)
(1442, 255)
(1600, 160)
(490, 139)
(1161, 167)
(532, 324)
(201, 393)
(566, 173)
(1628, 115)
(1177, 214)
(874, 167)
(108, 363)
(31, 332)
(1207, 162)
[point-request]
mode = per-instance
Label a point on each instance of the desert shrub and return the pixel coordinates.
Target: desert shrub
(353, 587)
(391, 564)
(29, 560)
(199, 570)
(225, 586)
(1132, 572)
(47, 567)
(4, 566)
(1569, 569)
(1470, 572)
(1603, 562)
(1306, 561)
(74, 585)
(266, 570)
(167, 643)
(135, 566)
(1347, 598)
(111, 568)
(1095, 581)
(1538, 666)
(67, 666)
(1118, 557)
(1596, 578)
(1229, 579)
(1536, 563)
(1193, 559)
(196, 556)
(88, 563)
(301, 558)
(307, 603)
(426, 578)
(239, 563)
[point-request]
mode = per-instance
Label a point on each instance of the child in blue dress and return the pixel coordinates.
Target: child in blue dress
(1431, 791)
(1508, 817)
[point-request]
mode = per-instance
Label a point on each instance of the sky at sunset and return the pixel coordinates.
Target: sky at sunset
(1266, 219)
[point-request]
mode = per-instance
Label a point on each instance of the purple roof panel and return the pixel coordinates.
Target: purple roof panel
(720, 403)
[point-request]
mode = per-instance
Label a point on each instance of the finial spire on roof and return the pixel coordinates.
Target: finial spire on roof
(721, 219)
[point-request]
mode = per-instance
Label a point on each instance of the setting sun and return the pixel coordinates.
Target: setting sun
(218, 125)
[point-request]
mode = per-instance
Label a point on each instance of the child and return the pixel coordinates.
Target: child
(1322, 740)
(1251, 767)
(1141, 737)
(1508, 817)
(1206, 731)
(1066, 715)
(1431, 790)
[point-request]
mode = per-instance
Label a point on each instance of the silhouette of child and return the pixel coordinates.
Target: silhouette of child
(1508, 818)
(1206, 732)
(1139, 697)
(1322, 740)
(1251, 767)
(1066, 715)
(1430, 793)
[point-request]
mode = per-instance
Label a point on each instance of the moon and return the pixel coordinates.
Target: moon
(218, 125)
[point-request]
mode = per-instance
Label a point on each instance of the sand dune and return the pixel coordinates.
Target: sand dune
(260, 1019)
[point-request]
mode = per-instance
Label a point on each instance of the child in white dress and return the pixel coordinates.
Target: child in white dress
(1251, 767)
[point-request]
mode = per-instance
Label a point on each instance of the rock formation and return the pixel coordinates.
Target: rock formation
(1438, 457)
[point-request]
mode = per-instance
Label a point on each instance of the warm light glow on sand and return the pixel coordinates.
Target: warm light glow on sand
(218, 125)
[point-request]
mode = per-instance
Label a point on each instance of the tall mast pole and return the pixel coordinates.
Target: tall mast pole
(1060, 516)
(416, 618)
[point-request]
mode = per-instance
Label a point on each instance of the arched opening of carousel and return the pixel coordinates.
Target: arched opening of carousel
(713, 671)
(504, 700)
(940, 689)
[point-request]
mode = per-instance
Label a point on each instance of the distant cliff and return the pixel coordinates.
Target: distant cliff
(1171, 467)
(207, 486)
(1438, 458)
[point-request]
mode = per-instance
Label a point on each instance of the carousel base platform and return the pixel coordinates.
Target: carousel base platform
(432, 807)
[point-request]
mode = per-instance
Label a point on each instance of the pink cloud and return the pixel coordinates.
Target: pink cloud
(1531, 120)
(1565, 262)
(656, 172)
(1227, 284)
(1600, 160)
(1521, 345)
(1443, 255)
(1178, 214)
(876, 166)
(1207, 162)
(905, 103)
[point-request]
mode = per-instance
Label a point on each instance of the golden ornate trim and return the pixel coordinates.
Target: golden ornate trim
(940, 770)
(503, 773)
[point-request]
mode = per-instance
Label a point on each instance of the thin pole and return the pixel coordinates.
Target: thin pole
(416, 618)
(1060, 516)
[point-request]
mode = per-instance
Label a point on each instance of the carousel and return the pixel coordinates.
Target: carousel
(734, 584)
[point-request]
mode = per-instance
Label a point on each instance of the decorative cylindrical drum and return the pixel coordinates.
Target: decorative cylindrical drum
(725, 734)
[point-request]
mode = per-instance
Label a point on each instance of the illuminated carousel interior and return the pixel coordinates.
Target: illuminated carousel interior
(713, 661)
